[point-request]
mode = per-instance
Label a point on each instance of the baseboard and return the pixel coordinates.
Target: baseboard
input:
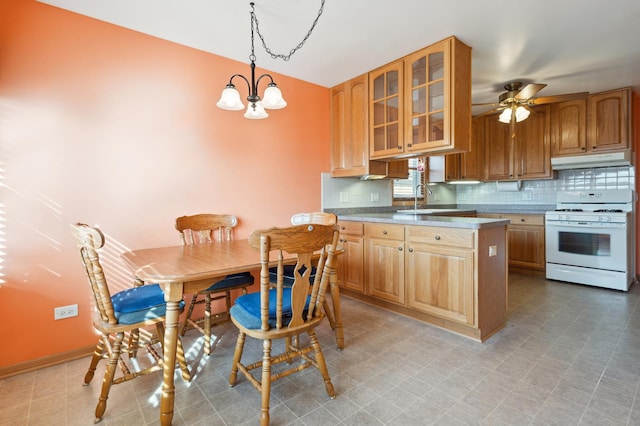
(46, 361)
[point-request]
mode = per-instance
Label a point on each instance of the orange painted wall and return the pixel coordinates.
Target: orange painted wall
(118, 129)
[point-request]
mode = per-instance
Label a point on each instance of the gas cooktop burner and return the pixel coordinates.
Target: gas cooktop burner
(568, 210)
(608, 211)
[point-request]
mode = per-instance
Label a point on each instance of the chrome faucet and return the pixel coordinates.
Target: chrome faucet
(415, 200)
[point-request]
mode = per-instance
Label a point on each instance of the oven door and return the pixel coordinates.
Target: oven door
(598, 245)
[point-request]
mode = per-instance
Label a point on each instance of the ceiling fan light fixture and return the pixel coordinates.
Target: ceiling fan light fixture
(521, 114)
(505, 116)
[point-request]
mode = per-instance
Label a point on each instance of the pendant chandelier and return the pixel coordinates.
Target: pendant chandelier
(272, 99)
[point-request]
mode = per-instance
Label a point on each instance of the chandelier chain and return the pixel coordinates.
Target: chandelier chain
(254, 19)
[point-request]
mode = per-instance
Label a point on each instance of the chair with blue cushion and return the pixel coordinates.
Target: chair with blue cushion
(200, 229)
(287, 313)
(125, 313)
(333, 315)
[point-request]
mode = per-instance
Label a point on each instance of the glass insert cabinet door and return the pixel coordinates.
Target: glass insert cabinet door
(427, 87)
(386, 113)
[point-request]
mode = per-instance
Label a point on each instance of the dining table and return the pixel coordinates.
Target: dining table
(184, 269)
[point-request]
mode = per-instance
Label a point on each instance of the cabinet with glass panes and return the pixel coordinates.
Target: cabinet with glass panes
(421, 104)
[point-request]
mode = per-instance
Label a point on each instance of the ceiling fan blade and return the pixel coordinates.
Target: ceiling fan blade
(529, 90)
(559, 98)
(493, 104)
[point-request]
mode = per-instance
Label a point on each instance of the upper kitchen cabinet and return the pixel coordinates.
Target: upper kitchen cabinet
(524, 155)
(386, 106)
(608, 125)
(421, 104)
(468, 165)
(569, 136)
(599, 123)
(350, 134)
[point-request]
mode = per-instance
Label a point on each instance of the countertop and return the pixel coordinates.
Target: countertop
(426, 219)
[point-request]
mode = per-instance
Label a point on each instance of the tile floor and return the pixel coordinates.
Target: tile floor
(569, 355)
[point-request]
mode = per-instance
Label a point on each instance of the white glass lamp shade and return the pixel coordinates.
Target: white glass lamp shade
(521, 113)
(255, 111)
(272, 98)
(505, 117)
(230, 99)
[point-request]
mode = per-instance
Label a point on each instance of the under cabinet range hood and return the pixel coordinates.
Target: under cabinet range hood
(586, 161)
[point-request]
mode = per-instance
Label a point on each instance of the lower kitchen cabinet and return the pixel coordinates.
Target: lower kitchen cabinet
(440, 280)
(451, 277)
(384, 261)
(351, 262)
(526, 242)
(525, 236)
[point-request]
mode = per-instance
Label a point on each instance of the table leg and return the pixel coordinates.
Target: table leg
(173, 296)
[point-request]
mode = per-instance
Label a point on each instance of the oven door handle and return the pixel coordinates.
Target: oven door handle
(583, 226)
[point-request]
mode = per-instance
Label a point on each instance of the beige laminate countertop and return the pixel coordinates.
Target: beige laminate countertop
(426, 220)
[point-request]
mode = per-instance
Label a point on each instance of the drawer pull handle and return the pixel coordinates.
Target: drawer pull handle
(384, 232)
(437, 237)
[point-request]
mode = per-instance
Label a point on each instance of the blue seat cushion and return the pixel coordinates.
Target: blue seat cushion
(232, 280)
(246, 310)
(288, 276)
(139, 304)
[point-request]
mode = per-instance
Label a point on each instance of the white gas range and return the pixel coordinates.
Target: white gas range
(590, 238)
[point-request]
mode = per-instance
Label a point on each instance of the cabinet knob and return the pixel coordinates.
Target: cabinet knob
(409, 145)
(384, 232)
(410, 250)
(399, 248)
(400, 147)
(522, 220)
(437, 237)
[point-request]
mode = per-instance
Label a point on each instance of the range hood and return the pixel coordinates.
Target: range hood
(587, 161)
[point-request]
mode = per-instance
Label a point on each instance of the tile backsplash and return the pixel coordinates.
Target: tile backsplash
(350, 192)
(544, 191)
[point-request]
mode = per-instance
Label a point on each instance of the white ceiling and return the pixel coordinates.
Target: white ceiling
(571, 45)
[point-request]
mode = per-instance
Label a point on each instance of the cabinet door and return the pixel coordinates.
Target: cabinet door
(426, 89)
(471, 163)
(349, 128)
(386, 111)
(526, 246)
(351, 263)
(385, 269)
(533, 146)
(569, 122)
(608, 121)
(440, 281)
(498, 150)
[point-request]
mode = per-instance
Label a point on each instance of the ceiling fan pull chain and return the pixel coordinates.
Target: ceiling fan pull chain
(292, 51)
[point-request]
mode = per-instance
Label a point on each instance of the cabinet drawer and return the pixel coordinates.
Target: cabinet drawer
(524, 219)
(384, 230)
(439, 236)
(351, 228)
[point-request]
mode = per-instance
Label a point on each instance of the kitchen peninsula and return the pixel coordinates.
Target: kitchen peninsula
(448, 271)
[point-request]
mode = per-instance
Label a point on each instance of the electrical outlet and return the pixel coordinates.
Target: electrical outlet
(375, 196)
(526, 196)
(493, 251)
(68, 311)
(344, 197)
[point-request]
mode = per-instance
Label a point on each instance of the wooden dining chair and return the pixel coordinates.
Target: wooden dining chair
(333, 315)
(286, 312)
(118, 315)
(204, 228)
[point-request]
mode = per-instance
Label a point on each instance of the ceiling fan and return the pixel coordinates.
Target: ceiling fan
(517, 99)
(515, 103)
